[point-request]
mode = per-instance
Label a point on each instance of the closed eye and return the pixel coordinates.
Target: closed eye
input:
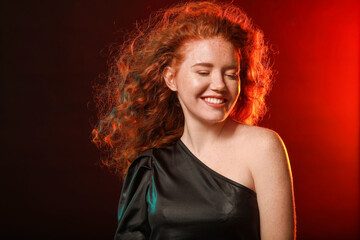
(203, 74)
(233, 76)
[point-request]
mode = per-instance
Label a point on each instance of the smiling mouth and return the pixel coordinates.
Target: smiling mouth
(214, 100)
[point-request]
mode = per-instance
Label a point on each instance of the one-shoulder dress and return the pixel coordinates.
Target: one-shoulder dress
(169, 194)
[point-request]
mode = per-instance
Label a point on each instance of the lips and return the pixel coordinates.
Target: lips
(214, 98)
(214, 101)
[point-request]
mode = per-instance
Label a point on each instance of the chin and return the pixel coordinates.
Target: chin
(216, 116)
(205, 116)
(217, 119)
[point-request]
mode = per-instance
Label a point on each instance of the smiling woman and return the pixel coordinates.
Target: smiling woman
(178, 114)
(206, 81)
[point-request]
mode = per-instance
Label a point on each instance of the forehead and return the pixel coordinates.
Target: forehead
(214, 50)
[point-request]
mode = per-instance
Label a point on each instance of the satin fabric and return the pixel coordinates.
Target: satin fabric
(169, 194)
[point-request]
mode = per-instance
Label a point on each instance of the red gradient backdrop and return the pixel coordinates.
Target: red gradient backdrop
(50, 55)
(315, 108)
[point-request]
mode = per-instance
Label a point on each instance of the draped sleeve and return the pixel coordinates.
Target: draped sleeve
(132, 209)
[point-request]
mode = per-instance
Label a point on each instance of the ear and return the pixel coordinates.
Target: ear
(169, 77)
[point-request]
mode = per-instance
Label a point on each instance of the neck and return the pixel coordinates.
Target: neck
(199, 137)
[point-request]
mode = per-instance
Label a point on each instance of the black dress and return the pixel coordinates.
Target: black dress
(169, 194)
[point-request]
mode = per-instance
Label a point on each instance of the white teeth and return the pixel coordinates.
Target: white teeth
(214, 100)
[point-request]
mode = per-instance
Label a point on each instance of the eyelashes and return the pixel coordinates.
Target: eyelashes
(231, 76)
(203, 74)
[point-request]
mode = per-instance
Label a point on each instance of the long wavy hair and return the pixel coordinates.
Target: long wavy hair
(137, 111)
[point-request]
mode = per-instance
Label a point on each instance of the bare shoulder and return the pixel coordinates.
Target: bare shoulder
(264, 147)
(259, 137)
(260, 134)
(271, 172)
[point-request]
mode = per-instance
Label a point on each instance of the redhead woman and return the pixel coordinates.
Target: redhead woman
(178, 116)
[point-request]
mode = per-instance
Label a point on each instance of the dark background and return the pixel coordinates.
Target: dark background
(53, 186)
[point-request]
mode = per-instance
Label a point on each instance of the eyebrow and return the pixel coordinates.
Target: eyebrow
(205, 64)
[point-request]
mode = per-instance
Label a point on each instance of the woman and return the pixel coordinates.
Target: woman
(178, 114)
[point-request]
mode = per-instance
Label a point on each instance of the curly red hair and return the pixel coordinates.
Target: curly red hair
(138, 111)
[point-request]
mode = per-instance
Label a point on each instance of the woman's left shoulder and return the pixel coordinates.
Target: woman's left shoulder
(260, 135)
(263, 144)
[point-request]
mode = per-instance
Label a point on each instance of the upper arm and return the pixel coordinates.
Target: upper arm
(273, 184)
(132, 210)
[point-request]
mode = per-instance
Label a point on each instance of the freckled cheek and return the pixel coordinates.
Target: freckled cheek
(234, 87)
(194, 84)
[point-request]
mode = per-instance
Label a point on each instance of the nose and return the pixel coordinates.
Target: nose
(217, 83)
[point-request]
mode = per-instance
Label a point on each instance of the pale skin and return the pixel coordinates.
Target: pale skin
(252, 156)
